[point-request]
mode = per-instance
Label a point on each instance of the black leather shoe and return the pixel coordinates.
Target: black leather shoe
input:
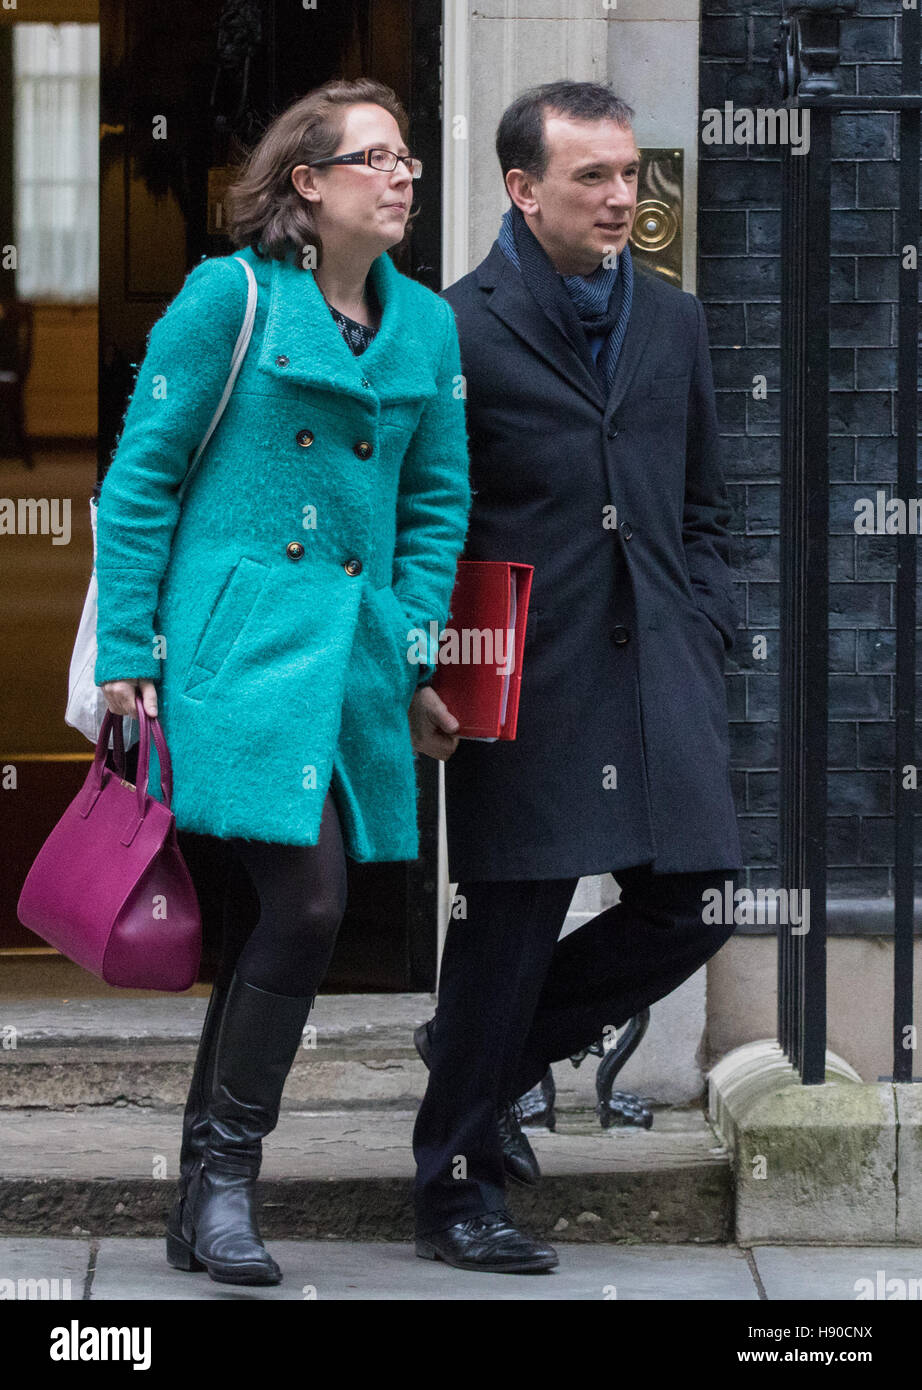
(519, 1160)
(490, 1243)
(257, 1042)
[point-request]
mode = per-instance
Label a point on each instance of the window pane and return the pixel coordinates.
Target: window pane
(56, 155)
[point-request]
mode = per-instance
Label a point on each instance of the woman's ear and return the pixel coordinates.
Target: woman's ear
(303, 179)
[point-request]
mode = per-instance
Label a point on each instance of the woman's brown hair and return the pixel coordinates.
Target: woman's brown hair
(265, 210)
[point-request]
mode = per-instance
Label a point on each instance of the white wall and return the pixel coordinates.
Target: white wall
(647, 49)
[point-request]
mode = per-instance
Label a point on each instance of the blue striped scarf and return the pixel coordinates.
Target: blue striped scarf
(592, 295)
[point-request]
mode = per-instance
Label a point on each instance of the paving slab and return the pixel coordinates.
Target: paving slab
(35, 1269)
(136, 1269)
(859, 1273)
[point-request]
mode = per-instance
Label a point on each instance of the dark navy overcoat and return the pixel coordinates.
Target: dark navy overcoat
(622, 754)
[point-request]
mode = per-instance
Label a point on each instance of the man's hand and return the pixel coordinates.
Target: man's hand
(432, 725)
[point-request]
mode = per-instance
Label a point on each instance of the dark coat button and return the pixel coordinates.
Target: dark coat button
(281, 361)
(363, 449)
(305, 438)
(294, 550)
(620, 635)
(353, 567)
(365, 381)
(612, 430)
(625, 529)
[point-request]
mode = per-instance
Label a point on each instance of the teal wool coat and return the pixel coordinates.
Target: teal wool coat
(273, 606)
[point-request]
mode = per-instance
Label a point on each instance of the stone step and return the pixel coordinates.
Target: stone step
(141, 1049)
(110, 1171)
(359, 1051)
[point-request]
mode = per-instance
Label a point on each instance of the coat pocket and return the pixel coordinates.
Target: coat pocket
(397, 626)
(714, 631)
(224, 624)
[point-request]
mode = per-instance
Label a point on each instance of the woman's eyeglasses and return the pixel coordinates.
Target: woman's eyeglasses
(385, 160)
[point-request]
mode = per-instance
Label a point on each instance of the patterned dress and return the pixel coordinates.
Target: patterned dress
(357, 335)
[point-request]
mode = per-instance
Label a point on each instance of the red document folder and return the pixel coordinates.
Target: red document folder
(479, 672)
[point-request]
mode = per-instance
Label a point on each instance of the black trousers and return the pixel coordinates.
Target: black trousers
(513, 998)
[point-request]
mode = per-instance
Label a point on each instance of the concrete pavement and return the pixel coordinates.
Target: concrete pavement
(113, 1268)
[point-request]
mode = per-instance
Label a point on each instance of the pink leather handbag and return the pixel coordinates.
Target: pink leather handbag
(109, 888)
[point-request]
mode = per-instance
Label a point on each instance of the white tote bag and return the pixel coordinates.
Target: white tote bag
(86, 703)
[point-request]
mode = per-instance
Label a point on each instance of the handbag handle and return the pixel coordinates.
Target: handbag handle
(146, 725)
(151, 725)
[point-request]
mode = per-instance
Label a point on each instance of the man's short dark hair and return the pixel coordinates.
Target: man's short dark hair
(520, 142)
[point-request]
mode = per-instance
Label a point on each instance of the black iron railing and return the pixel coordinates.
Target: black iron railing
(809, 57)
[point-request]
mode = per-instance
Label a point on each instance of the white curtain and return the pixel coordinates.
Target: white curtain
(56, 160)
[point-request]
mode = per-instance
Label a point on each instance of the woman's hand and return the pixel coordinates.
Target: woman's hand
(120, 697)
(432, 725)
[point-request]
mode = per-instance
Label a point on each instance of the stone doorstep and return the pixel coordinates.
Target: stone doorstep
(837, 1163)
(350, 1174)
(142, 1049)
(124, 1017)
(159, 1074)
(90, 1051)
(93, 1092)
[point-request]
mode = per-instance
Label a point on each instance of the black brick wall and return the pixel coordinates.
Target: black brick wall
(739, 276)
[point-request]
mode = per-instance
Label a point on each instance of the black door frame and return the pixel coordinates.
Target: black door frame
(416, 970)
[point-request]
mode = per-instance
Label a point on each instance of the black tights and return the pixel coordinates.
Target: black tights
(301, 893)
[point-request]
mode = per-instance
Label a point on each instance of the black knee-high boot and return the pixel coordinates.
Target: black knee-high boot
(195, 1123)
(238, 911)
(257, 1042)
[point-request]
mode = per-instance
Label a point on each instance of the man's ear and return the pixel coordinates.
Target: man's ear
(520, 188)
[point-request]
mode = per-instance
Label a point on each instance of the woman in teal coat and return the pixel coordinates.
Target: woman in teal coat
(268, 618)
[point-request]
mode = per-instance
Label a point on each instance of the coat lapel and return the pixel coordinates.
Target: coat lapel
(639, 328)
(511, 301)
(302, 343)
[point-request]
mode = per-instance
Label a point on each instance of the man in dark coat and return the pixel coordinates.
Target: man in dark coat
(594, 458)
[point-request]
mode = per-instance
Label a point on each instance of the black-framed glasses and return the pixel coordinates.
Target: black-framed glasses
(385, 160)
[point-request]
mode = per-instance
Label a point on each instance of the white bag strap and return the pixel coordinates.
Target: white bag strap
(240, 348)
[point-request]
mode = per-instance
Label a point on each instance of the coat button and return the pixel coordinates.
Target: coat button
(305, 438)
(625, 529)
(353, 567)
(363, 449)
(612, 430)
(294, 550)
(620, 635)
(365, 381)
(281, 361)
